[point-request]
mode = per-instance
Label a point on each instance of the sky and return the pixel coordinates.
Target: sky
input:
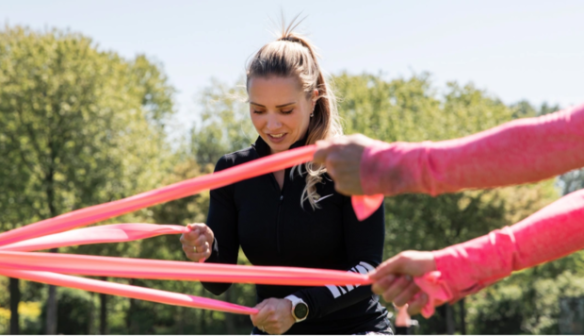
(515, 50)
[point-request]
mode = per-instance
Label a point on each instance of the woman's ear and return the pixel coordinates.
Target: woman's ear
(315, 97)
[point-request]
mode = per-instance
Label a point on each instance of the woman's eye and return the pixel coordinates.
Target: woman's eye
(258, 112)
(287, 112)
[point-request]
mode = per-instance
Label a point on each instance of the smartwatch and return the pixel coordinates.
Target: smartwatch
(299, 308)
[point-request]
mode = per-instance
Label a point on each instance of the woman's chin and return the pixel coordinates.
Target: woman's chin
(279, 147)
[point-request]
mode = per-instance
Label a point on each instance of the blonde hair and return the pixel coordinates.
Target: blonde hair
(292, 55)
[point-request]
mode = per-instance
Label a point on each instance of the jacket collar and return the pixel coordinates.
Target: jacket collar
(263, 149)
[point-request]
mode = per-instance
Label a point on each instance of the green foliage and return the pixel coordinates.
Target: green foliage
(412, 110)
(79, 127)
(226, 126)
(522, 304)
(73, 305)
(74, 123)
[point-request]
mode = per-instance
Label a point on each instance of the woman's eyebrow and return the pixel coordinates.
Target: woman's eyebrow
(277, 106)
(284, 105)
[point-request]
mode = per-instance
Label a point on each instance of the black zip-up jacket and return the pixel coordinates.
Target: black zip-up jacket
(273, 229)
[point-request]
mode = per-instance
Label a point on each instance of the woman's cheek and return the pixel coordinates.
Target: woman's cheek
(293, 122)
(256, 120)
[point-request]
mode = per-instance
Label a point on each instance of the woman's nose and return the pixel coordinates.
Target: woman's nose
(273, 123)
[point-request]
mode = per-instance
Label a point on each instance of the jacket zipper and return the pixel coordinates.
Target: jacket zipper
(278, 223)
(280, 201)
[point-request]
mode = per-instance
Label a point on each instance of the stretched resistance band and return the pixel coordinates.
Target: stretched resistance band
(41, 267)
(364, 205)
(134, 292)
(129, 232)
(115, 233)
(176, 270)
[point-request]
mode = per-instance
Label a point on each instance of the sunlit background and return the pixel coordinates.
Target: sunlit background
(78, 128)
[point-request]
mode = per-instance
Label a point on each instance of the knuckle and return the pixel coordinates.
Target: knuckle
(400, 301)
(388, 296)
(401, 256)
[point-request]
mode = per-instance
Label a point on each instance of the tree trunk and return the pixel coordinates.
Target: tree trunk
(180, 324)
(103, 312)
(130, 312)
(14, 301)
(229, 318)
(51, 326)
(449, 320)
(462, 314)
(91, 318)
(203, 321)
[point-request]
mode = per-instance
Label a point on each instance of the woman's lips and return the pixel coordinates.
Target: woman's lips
(277, 138)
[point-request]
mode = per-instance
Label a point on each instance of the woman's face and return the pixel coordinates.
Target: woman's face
(279, 110)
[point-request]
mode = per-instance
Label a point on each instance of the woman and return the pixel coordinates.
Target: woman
(521, 151)
(293, 217)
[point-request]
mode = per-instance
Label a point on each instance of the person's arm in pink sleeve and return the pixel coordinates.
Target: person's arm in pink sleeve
(521, 151)
(551, 233)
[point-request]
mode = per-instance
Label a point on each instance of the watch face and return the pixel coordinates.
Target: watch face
(301, 310)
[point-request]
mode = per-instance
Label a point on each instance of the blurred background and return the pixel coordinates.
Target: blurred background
(100, 100)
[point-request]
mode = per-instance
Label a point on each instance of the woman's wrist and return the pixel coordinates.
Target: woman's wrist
(298, 308)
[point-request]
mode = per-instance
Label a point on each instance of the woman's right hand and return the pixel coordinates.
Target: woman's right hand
(198, 242)
(342, 158)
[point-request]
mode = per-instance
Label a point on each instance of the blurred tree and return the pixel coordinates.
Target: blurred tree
(225, 125)
(79, 126)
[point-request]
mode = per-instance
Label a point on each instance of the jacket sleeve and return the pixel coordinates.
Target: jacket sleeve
(551, 233)
(520, 151)
(222, 219)
(364, 249)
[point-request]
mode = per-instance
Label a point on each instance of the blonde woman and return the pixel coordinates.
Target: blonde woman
(293, 217)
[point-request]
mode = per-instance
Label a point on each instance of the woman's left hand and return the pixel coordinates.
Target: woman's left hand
(274, 316)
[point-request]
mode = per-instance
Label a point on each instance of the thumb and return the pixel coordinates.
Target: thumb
(197, 229)
(391, 266)
(261, 305)
(323, 149)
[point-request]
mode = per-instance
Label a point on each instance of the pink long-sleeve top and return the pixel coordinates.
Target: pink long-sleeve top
(521, 151)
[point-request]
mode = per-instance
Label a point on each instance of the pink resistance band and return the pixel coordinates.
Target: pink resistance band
(115, 233)
(364, 205)
(35, 266)
(176, 270)
(134, 292)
